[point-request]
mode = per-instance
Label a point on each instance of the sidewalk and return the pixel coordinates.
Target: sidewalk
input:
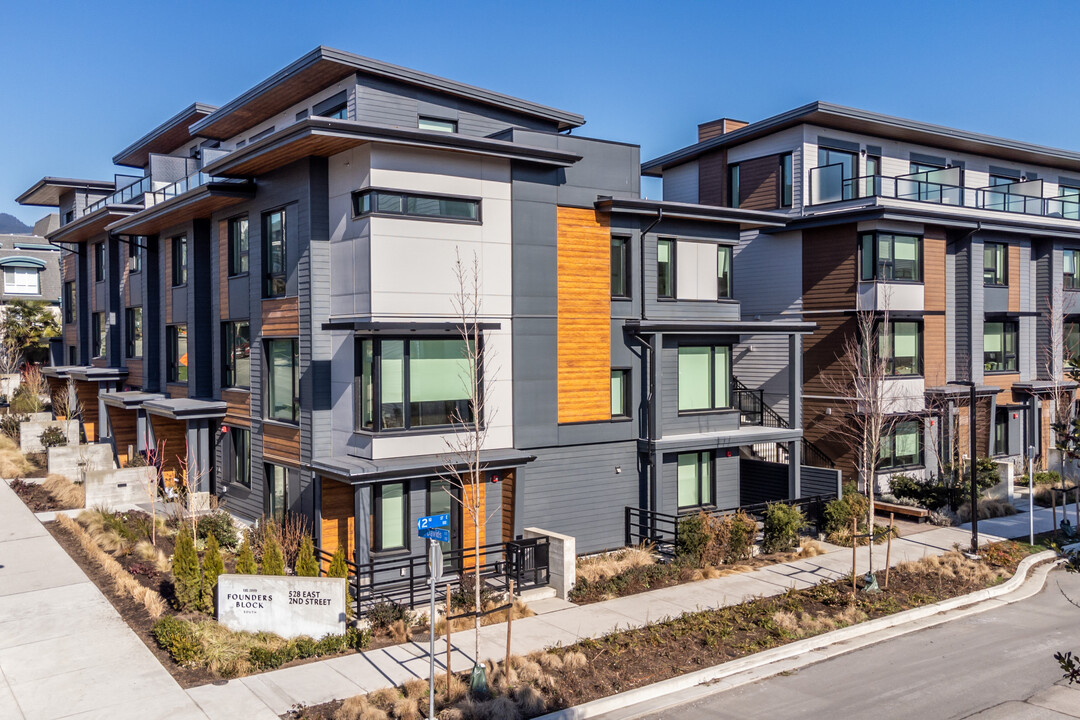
(64, 651)
(1017, 526)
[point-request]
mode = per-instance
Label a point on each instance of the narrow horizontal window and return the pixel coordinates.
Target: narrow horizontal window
(411, 205)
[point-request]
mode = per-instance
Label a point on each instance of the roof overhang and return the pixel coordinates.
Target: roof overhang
(163, 139)
(323, 137)
(186, 408)
(21, 261)
(1045, 387)
(325, 66)
(47, 191)
(199, 202)
(92, 224)
(128, 400)
(745, 435)
(355, 470)
(90, 373)
(58, 372)
(728, 327)
(839, 117)
(367, 326)
(745, 219)
(951, 390)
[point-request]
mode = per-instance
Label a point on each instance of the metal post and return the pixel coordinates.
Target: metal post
(888, 549)
(854, 547)
(1031, 494)
(974, 487)
(509, 622)
(431, 632)
(448, 642)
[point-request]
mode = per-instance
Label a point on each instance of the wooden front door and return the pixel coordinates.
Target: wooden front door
(338, 522)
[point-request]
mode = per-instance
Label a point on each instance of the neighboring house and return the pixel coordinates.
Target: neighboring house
(970, 242)
(31, 266)
(271, 294)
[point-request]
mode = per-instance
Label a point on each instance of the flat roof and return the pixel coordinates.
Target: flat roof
(186, 408)
(840, 117)
(745, 219)
(91, 224)
(128, 399)
(356, 470)
(165, 138)
(323, 67)
(46, 191)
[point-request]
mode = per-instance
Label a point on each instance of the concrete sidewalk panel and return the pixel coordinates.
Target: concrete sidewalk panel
(309, 684)
(230, 701)
(35, 563)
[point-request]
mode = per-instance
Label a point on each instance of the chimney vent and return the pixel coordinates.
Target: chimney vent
(723, 126)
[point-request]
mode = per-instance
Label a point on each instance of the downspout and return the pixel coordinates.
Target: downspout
(641, 271)
(651, 416)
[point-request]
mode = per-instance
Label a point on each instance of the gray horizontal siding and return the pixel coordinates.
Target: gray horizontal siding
(726, 481)
(819, 481)
(761, 362)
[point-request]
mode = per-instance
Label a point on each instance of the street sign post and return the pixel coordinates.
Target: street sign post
(433, 521)
(434, 528)
(440, 534)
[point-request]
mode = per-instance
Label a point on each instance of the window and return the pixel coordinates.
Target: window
(335, 107)
(665, 268)
(1071, 270)
(620, 393)
(179, 260)
(620, 268)
(848, 167)
(733, 186)
(871, 184)
(1001, 431)
(1069, 201)
(134, 334)
(694, 479)
(99, 262)
(920, 167)
(388, 202)
(1068, 191)
(135, 254)
(890, 257)
(1071, 338)
(238, 246)
(704, 377)
(902, 445)
(283, 365)
(996, 180)
(277, 493)
(69, 216)
(999, 346)
(787, 180)
(73, 355)
(995, 271)
(69, 302)
(241, 450)
(236, 351)
(274, 257)
(429, 123)
(901, 345)
(21, 281)
(391, 517)
(406, 384)
(723, 272)
(98, 333)
(176, 354)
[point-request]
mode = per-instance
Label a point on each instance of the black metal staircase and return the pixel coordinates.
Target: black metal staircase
(753, 410)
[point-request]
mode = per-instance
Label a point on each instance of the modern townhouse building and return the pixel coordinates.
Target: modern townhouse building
(969, 242)
(271, 293)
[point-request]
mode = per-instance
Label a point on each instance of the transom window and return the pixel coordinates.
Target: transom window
(901, 446)
(890, 257)
(999, 346)
(274, 254)
(389, 202)
(404, 384)
(236, 345)
(901, 346)
(704, 377)
(995, 264)
(282, 381)
(620, 267)
(238, 246)
(21, 281)
(694, 479)
(430, 123)
(1071, 269)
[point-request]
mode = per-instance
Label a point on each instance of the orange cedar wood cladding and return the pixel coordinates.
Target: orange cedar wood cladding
(124, 432)
(934, 360)
(338, 521)
(135, 372)
(173, 433)
(87, 392)
(469, 533)
(281, 317)
(1014, 278)
(176, 390)
(281, 443)
(508, 506)
(238, 407)
(584, 316)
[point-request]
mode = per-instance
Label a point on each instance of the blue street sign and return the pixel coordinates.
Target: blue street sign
(436, 534)
(433, 521)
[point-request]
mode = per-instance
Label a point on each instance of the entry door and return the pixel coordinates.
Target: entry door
(442, 498)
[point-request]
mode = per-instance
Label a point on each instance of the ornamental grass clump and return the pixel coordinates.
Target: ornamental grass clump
(64, 491)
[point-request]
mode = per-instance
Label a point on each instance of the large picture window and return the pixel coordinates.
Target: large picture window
(282, 396)
(902, 446)
(134, 334)
(404, 384)
(620, 267)
(901, 346)
(176, 354)
(704, 377)
(995, 264)
(694, 479)
(890, 257)
(999, 346)
(274, 254)
(236, 345)
(391, 517)
(238, 246)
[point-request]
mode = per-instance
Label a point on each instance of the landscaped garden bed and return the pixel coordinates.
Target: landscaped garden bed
(56, 492)
(566, 676)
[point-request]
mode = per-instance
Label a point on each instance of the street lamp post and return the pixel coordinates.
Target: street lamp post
(972, 454)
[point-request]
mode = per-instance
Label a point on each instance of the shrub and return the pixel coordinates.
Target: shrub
(220, 525)
(1043, 477)
(176, 637)
(707, 540)
(383, 615)
(212, 567)
(839, 513)
(782, 525)
(305, 559)
(742, 529)
(11, 425)
(273, 563)
(693, 539)
(186, 572)
(338, 568)
(53, 436)
(245, 560)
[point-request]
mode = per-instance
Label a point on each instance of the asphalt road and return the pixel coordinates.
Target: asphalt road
(995, 664)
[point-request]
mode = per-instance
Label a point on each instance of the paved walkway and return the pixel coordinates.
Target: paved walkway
(1017, 526)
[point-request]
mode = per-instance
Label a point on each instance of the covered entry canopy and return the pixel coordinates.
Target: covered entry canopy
(187, 423)
(354, 470)
(127, 425)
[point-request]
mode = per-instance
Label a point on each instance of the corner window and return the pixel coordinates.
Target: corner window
(274, 254)
(901, 446)
(620, 268)
(620, 393)
(135, 254)
(694, 479)
(282, 380)
(21, 281)
(437, 125)
(704, 377)
(98, 333)
(890, 257)
(733, 186)
(277, 492)
(99, 262)
(134, 334)
(1001, 431)
(241, 455)
(1071, 269)
(723, 272)
(431, 207)
(238, 246)
(70, 303)
(405, 384)
(900, 344)
(999, 346)
(179, 260)
(665, 268)
(236, 351)
(176, 354)
(391, 516)
(995, 259)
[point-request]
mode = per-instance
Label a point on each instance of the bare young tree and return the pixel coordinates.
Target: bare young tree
(1057, 363)
(10, 357)
(152, 469)
(66, 403)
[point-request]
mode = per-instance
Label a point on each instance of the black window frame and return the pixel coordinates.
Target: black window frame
(626, 413)
(734, 184)
(920, 451)
(709, 458)
(671, 269)
(366, 203)
(135, 263)
(241, 456)
(1070, 335)
(172, 354)
(452, 125)
(713, 407)
(878, 268)
(130, 350)
(889, 330)
(238, 256)
(1071, 282)
(786, 186)
(178, 251)
(70, 303)
(1001, 275)
(275, 280)
(229, 356)
(1001, 427)
(99, 262)
(624, 267)
(268, 475)
(1008, 327)
(725, 284)
(377, 546)
(99, 335)
(294, 418)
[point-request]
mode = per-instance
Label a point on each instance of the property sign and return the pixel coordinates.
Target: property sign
(432, 521)
(439, 534)
(285, 605)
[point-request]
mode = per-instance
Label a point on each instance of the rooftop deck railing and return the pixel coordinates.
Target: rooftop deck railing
(182, 186)
(126, 195)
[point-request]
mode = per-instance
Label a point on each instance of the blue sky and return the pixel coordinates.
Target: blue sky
(81, 80)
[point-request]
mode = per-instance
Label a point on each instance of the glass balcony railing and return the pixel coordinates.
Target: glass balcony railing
(127, 195)
(180, 187)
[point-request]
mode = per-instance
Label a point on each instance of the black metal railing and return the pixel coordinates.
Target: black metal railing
(755, 411)
(124, 196)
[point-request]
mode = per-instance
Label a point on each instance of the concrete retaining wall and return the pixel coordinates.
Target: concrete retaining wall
(71, 460)
(30, 433)
(562, 560)
(117, 487)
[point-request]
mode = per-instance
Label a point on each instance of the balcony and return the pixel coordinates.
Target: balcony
(941, 187)
(184, 185)
(127, 195)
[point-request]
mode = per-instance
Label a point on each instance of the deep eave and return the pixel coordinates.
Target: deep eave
(92, 224)
(186, 408)
(746, 219)
(128, 399)
(325, 66)
(165, 138)
(46, 191)
(92, 373)
(839, 117)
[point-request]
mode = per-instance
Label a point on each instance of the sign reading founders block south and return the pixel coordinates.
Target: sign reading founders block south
(285, 605)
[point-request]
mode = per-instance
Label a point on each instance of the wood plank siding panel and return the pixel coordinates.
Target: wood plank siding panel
(87, 392)
(170, 436)
(135, 377)
(584, 316)
(223, 269)
(712, 178)
(935, 361)
(1006, 382)
(281, 317)
(469, 531)
(338, 521)
(759, 183)
(176, 390)
(124, 424)
(508, 506)
(1014, 278)
(238, 407)
(281, 444)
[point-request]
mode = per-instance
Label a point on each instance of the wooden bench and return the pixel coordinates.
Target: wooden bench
(918, 513)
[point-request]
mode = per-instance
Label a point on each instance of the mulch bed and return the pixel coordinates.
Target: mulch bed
(37, 498)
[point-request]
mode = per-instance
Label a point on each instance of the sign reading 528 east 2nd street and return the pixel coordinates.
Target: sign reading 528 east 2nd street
(286, 605)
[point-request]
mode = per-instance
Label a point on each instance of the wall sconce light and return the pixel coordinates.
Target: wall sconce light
(618, 469)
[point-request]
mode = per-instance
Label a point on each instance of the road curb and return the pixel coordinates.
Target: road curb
(808, 649)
